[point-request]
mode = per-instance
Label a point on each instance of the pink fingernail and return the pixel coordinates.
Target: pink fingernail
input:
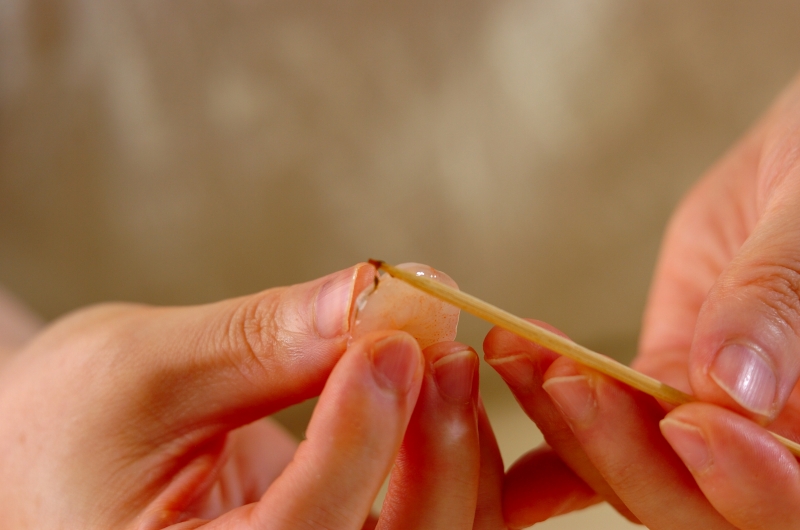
(396, 360)
(332, 307)
(455, 375)
(516, 370)
(688, 442)
(575, 397)
(747, 377)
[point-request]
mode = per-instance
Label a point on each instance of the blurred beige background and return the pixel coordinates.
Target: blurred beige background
(186, 151)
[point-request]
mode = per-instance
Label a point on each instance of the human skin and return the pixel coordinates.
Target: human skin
(722, 322)
(129, 416)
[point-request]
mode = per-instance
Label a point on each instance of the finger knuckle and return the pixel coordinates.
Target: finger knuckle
(251, 333)
(778, 287)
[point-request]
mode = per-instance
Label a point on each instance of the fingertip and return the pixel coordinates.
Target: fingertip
(335, 302)
(436, 351)
(501, 343)
(518, 361)
(731, 441)
(396, 361)
(689, 442)
(737, 372)
(745, 373)
(456, 376)
(725, 432)
(743, 356)
(737, 464)
(564, 367)
(354, 435)
(518, 371)
(574, 393)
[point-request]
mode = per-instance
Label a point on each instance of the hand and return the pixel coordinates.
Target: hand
(722, 322)
(123, 416)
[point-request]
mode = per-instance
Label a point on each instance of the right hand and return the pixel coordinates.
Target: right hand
(722, 323)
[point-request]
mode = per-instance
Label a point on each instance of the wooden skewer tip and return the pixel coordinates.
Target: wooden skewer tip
(550, 340)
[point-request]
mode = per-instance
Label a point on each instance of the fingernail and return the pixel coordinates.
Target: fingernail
(332, 307)
(455, 375)
(516, 370)
(574, 396)
(572, 503)
(746, 376)
(688, 442)
(396, 360)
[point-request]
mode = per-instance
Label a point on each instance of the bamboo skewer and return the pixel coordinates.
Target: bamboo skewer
(551, 341)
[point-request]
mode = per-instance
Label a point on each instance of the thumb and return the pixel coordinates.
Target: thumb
(746, 350)
(229, 363)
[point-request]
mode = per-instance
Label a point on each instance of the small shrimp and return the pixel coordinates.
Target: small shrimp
(393, 304)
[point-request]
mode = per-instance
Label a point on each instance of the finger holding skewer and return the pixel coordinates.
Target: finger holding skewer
(554, 342)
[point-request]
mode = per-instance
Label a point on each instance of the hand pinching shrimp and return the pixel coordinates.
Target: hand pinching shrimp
(448, 446)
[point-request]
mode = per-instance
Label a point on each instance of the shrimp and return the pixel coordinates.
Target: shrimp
(393, 304)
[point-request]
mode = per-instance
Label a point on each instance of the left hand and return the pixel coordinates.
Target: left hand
(126, 416)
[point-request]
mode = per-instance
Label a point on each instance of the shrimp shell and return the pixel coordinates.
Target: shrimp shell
(393, 304)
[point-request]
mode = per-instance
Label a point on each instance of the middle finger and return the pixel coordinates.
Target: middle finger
(435, 480)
